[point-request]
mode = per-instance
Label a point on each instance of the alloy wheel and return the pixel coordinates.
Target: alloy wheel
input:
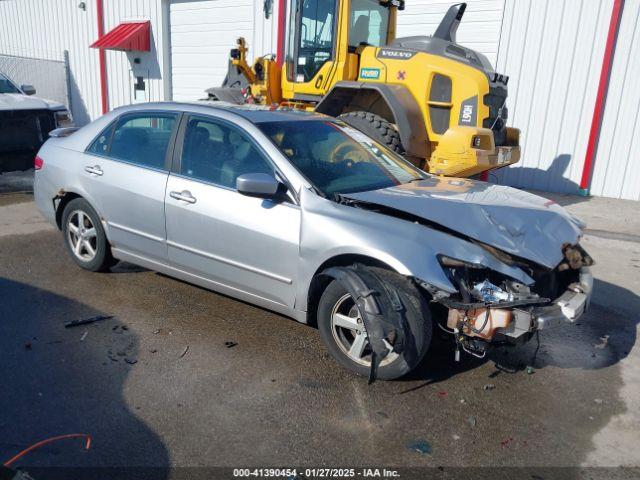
(82, 236)
(350, 334)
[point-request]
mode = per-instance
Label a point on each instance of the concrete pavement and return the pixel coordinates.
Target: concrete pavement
(277, 398)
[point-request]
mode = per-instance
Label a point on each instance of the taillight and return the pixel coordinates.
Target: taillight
(38, 163)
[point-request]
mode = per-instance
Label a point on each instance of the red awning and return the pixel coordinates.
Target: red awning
(129, 36)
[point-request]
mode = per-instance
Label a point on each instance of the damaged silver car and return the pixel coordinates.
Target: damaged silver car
(303, 215)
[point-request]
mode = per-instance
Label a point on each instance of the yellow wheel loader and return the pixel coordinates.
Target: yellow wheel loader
(439, 104)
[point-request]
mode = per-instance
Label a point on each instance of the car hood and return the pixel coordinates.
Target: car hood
(514, 221)
(18, 101)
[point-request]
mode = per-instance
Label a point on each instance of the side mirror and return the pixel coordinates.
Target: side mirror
(260, 185)
(28, 89)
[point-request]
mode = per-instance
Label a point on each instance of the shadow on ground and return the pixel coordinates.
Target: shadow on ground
(58, 381)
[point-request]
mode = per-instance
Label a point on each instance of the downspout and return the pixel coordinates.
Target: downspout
(282, 14)
(102, 59)
(601, 98)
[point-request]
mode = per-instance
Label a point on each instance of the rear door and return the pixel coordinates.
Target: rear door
(126, 171)
(246, 244)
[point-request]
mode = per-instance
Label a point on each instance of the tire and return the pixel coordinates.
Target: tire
(79, 214)
(375, 127)
(336, 339)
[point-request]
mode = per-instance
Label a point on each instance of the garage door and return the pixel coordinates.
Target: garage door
(202, 33)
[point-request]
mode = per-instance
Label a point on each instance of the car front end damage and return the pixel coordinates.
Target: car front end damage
(492, 309)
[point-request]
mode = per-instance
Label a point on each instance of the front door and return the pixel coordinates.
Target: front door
(244, 243)
(127, 172)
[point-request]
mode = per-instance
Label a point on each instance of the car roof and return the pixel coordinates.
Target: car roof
(253, 113)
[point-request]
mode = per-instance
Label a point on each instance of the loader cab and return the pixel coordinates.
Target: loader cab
(323, 41)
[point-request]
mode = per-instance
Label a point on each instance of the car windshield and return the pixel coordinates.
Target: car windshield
(337, 159)
(6, 86)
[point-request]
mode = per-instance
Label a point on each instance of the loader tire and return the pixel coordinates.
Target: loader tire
(375, 127)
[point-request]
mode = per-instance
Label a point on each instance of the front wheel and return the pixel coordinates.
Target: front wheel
(84, 236)
(344, 335)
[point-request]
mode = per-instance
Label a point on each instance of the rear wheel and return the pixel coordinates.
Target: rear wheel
(375, 127)
(84, 236)
(343, 332)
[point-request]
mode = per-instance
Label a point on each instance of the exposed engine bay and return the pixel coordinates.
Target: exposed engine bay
(490, 308)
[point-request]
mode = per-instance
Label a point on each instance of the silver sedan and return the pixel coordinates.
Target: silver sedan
(301, 214)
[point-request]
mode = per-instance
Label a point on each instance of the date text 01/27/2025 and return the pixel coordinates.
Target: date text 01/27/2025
(312, 473)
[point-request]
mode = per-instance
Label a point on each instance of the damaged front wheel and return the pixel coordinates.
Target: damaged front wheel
(342, 328)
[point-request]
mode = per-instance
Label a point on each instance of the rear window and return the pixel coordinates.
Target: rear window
(139, 139)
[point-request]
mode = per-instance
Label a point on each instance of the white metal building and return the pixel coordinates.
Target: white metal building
(556, 53)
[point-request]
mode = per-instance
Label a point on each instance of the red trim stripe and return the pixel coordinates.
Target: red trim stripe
(598, 111)
(102, 59)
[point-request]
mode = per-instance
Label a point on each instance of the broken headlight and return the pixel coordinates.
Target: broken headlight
(63, 118)
(479, 284)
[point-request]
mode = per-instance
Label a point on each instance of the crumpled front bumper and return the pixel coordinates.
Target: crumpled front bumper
(569, 306)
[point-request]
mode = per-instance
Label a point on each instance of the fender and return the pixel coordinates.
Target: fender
(405, 110)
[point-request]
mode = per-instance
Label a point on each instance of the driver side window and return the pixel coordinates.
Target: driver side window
(219, 153)
(315, 37)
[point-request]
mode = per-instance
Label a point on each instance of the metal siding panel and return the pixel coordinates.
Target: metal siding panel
(479, 29)
(617, 164)
(119, 64)
(552, 52)
(27, 28)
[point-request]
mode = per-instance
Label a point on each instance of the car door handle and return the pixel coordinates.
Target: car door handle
(184, 195)
(96, 170)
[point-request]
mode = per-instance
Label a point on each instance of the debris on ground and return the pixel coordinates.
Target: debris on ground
(131, 361)
(599, 401)
(230, 344)
(530, 371)
(85, 321)
(489, 386)
(46, 441)
(84, 335)
(442, 394)
(163, 331)
(604, 342)
(153, 350)
(421, 446)
(456, 437)
(472, 421)
(184, 352)
(463, 401)
(505, 443)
